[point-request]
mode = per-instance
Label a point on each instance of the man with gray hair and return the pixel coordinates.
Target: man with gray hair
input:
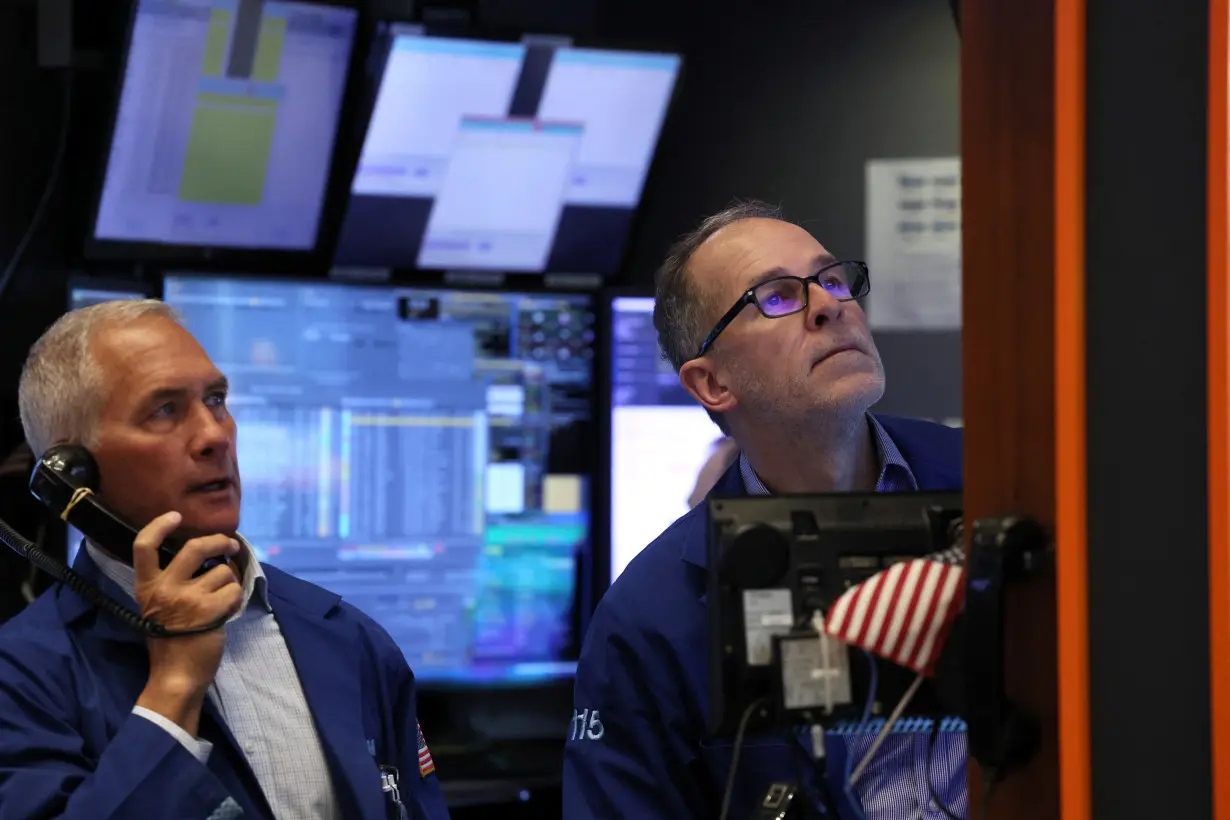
(764, 327)
(299, 707)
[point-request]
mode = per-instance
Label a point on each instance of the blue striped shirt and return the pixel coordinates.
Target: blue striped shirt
(894, 786)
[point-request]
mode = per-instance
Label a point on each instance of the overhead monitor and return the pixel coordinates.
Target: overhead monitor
(226, 124)
(423, 453)
(660, 437)
(84, 291)
(508, 156)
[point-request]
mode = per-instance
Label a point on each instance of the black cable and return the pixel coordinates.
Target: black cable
(22, 546)
(734, 755)
(53, 178)
(935, 798)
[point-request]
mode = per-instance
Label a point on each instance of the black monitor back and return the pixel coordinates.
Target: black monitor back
(813, 547)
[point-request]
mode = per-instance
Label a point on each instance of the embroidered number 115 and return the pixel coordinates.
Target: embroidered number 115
(586, 725)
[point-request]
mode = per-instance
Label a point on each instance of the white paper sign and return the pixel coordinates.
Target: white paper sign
(914, 243)
(766, 612)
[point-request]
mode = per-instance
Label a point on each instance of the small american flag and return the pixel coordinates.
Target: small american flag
(902, 613)
(426, 764)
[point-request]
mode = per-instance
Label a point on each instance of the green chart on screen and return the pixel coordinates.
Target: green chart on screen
(234, 119)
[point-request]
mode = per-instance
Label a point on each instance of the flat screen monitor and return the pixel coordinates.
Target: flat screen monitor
(225, 130)
(424, 453)
(84, 291)
(660, 437)
(508, 156)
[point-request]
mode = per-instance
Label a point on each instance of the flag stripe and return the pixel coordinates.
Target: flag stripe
(914, 614)
(912, 573)
(938, 620)
(866, 603)
(884, 609)
(925, 617)
(903, 613)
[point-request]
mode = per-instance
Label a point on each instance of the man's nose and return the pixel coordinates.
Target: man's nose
(213, 432)
(821, 305)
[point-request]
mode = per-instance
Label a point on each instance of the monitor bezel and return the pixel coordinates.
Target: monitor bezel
(606, 437)
(373, 75)
(597, 555)
(149, 288)
(314, 260)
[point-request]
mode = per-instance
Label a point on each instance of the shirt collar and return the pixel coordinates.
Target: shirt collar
(254, 582)
(895, 474)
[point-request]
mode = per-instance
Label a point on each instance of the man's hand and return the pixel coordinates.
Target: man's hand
(181, 669)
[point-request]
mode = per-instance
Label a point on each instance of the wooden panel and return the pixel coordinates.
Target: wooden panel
(1009, 325)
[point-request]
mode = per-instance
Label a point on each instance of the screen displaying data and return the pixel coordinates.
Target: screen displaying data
(226, 124)
(426, 454)
(660, 436)
(527, 157)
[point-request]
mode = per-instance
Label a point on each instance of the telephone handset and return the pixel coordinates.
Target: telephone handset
(66, 479)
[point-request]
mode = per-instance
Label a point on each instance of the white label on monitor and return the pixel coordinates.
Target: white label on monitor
(815, 673)
(766, 612)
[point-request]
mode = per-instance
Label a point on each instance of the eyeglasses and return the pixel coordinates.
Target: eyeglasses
(788, 295)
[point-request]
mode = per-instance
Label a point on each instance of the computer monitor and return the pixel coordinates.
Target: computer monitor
(424, 453)
(660, 438)
(776, 560)
(510, 156)
(84, 291)
(226, 123)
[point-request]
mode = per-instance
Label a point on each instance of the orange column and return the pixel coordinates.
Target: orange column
(1219, 409)
(1071, 587)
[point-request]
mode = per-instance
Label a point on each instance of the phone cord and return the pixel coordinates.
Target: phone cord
(92, 594)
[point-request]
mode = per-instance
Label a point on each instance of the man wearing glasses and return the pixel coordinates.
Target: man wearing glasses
(764, 327)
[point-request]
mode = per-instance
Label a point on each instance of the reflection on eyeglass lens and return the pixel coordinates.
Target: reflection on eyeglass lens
(779, 297)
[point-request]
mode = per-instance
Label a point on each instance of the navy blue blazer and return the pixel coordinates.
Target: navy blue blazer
(70, 746)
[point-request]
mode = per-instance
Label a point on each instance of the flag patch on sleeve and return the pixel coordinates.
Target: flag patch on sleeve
(426, 764)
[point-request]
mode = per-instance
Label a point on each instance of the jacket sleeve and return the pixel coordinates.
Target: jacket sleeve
(626, 751)
(420, 793)
(47, 770)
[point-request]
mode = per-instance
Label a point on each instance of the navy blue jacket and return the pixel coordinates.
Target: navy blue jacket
(639, 747)
(70, 746)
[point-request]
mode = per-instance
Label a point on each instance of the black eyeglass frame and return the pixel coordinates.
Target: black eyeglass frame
(749, 298)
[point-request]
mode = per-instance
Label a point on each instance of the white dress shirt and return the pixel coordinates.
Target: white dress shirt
(258, 694)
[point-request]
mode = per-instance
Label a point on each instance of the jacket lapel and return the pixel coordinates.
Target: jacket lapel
(74, 607)
(326, 654)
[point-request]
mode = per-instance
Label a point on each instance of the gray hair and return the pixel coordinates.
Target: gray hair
(681, 310)
(61, 392)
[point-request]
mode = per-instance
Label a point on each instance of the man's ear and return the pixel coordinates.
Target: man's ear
(707, 385)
